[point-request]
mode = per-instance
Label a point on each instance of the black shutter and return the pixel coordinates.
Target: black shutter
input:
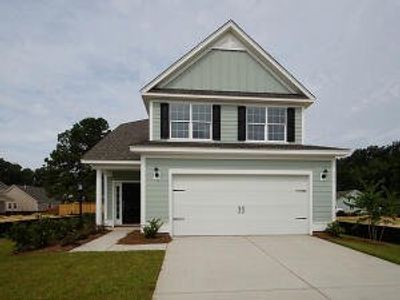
(164, 124)
(241, 123)
(216, 122)
(290, 130)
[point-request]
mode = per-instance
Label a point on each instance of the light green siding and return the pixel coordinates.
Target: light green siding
(229, 119)
(157, 190)
(298, 125)
(228, 71)
(156, 121)
(229, 123)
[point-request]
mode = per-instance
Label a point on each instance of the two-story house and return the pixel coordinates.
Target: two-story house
(222, 152)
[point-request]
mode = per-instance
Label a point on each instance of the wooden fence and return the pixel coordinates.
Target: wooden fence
(73, 208)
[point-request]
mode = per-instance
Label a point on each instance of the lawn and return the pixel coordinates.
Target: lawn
(390, 252)
(90, 275)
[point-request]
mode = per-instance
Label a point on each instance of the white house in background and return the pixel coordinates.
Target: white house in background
(223, 150)
(343, 197)
(24, 198)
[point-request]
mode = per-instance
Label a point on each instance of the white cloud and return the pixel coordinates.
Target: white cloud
(62, 61)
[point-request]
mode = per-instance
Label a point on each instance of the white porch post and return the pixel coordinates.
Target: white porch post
(99, 175)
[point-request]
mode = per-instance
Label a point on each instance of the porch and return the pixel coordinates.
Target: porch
(118, 195)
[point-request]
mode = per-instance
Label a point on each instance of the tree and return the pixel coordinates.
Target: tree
(63, 170)
(371, 164)
(377, 205)
(14, 174)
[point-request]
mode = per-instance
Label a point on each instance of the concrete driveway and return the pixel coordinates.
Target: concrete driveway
(272, 267)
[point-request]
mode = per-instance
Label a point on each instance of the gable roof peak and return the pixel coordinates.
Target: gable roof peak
(244, 38)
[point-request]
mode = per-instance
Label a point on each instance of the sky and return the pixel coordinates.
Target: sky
(62, 61)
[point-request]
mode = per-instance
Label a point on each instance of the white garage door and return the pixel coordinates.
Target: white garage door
(240, 204)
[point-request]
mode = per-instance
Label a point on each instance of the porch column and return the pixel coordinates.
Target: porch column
(99, 175)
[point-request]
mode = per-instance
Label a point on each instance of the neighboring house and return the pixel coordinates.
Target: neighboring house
(223, 150)
(343, 197)
(18, 198)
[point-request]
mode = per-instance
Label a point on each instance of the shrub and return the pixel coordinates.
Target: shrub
(152, 228)
(44, 232)
(334, 229)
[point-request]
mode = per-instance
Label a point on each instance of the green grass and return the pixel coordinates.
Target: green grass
(76, 276)
(390, 252)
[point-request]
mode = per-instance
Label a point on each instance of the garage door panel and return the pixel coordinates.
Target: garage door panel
(240, 204)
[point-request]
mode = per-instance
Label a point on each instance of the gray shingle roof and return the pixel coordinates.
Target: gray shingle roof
(229, 93)
(38, 193)
(3, 186)
(115, 145)
(242, 145)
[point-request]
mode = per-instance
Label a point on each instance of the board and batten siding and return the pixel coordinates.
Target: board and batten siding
(229, 119)
(221, 70)
(157, 189)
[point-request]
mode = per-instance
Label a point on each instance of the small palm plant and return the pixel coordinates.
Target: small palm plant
(377, 205)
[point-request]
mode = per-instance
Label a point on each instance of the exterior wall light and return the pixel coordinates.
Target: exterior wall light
(324, 175)
(156, 173)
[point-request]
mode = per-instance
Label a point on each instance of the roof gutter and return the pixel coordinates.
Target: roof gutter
(239, 152)
(228, 98)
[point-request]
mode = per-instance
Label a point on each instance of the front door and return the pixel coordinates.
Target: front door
(131, 203)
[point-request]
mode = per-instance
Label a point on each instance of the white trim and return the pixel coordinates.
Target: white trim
(303, 124)
(190, 121)
(334, 183)
(211, 98)
(114, 184)
(151, 120)
(245, 152)
(180, 171)
(244, 37)
(99, 178)
(319, 226)
(142, 191)
(266, 124)
(109, 221)
(110, 162)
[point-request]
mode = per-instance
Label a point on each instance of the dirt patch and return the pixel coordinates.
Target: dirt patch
(136, 238)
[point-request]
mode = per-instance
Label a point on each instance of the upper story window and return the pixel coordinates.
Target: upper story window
(266, 124)
(190, 121)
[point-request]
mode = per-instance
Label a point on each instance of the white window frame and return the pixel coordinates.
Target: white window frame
(190, 138)
(266, 139)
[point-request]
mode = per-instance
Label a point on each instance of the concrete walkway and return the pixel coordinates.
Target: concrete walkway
(272, 267)
(108, 242)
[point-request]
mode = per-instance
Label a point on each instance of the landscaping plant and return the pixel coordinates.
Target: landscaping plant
(334, 229)
(377, 205)
(45, 232)
(150, 230)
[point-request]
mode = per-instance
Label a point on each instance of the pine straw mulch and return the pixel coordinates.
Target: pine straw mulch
(137, 238)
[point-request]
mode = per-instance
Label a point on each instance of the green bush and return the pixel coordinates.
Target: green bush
(44, 232)
(152, 228)
(334, 229)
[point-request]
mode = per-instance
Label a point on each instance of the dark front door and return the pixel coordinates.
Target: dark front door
(130, 203)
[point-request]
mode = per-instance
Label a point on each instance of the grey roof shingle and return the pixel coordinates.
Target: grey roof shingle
(3, 186)
(37, 193)
(241, 145)
(115, 145)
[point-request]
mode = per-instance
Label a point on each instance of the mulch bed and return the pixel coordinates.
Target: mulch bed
(328, 237)
(137, 238)
(66, 248)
